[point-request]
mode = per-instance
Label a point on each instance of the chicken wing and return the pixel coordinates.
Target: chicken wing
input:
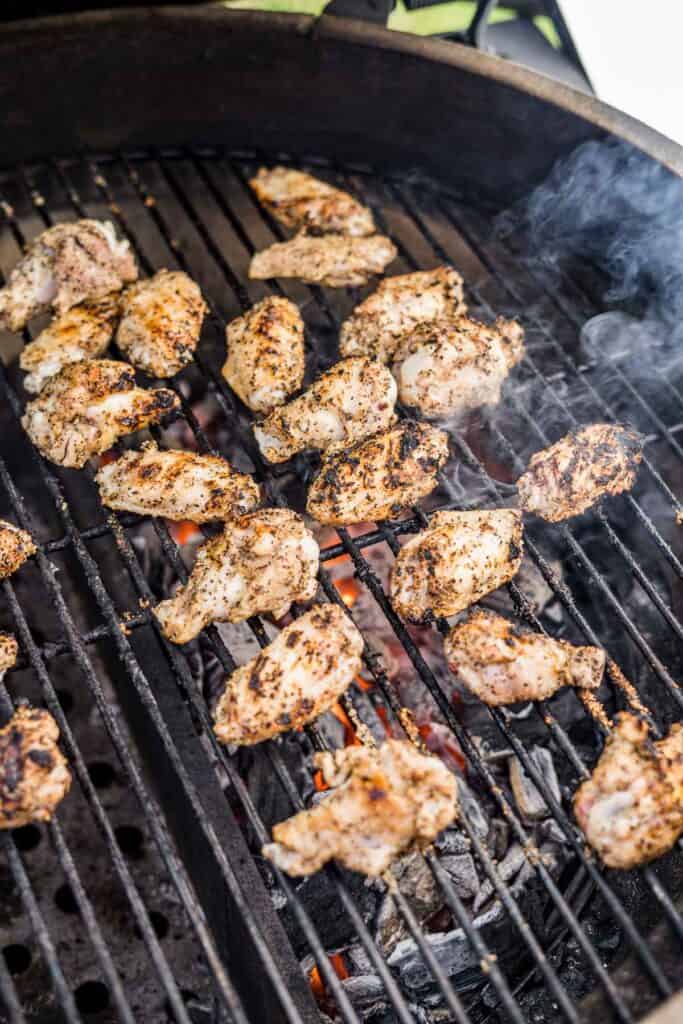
(335, 260)
(83, 332)
(177, 485)
(34, 776)
(66, 265)
(260, 563)
(87, 406)
(502, 664)
(15, 547)
(377, 478)
(9, 649)
(458, 559)
(266, 360)
(161, 320)
(378, 325)
(577, 471)
(302, 673)
(300, 201)
(352, 400)
(631, 808)
(450, 367)
(385, 801)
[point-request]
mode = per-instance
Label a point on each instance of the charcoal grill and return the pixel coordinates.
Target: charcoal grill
(156, 119)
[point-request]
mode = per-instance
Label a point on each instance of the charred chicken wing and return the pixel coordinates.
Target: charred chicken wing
(260, 563)
(379, 477)
(15, 547)
(9, 649)
(631, 808)
(300, 201)
(87, 406)
(352, 400)
(302, 673)
(34, 776)
(458, 559)
(576, 472)
(266, 361)
(335, 260)
(65, 266)
(384, 802)
(378, 325)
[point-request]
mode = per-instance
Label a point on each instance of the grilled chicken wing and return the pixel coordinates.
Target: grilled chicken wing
(378, 325)
(501, 664)
(83, 332)
(458, 559)
(15, 547)
(9, 649)
(66, 265)
(177, 485)
(266, 360)
(452, 366)
(87, 406)
(300, 201)
(161, 320)
(384, 801)
(335, 260)
(631, 808)
(34, 776)
(578, 470)
(352, 400)
(302, 673)
(260, 563)
(379, 477)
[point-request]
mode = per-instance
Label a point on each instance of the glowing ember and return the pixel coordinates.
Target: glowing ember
(438, 740)
(183, 532)
(316, 982)
(348, 590)
(319, 782)
(350, 738)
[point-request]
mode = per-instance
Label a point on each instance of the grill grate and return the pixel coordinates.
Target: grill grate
(194, 211)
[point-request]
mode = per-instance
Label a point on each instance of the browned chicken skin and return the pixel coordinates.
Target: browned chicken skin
(335, 260)
(631, 808)
(300, 201)
(9, 649)
(15, 547)
(266, 360)
(34, 777)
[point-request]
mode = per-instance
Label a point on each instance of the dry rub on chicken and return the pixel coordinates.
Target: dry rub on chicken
(9, 649)
(335, 260)
(266, 360)
(458, 559)
(15, 547)
(177, 485)
(300, 201)
(631, 808)
(352, 400)
(65, 266)
(161, 320)
(501, 663)
(87, 406)
(385, 801)
(379, 324)
(83, 332)
(450, 367)
(302, 673)
(579, 470)
(379, 477)
(34, 776)
(260, 563)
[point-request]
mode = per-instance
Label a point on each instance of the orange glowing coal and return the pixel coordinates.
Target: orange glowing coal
(183, 531)
(350, 738)
(319, 782)
(348, 590)
(316, 982)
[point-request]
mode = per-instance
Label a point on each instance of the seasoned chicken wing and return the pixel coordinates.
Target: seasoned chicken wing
(449, 367)
(458, 559)
(161, 320)
(177, 485)
(378, 325)
(335, 260)
(87, 406)
(501, 663)
(66, 265)
(260, 563)
(385, 801)
(34, 776)
(350, 401)
(266, 360)
(83, 332)
(302, 673)
(631, 808)
(579, 470)
(377, 478)
(15, 547)
(300, 201)
(9, 649)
